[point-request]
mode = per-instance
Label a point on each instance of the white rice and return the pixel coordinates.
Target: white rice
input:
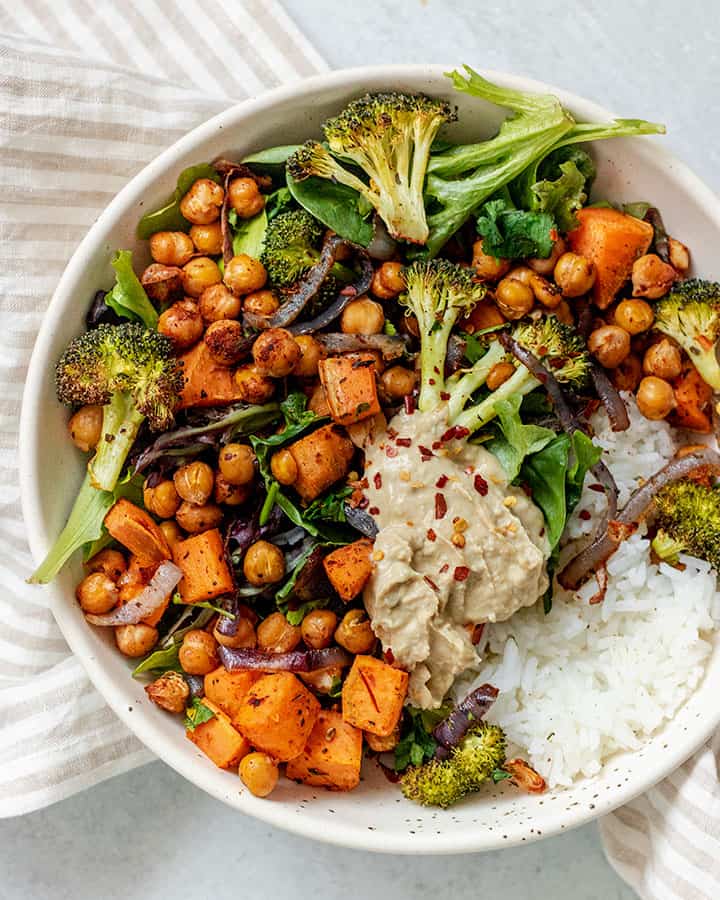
(587, 681)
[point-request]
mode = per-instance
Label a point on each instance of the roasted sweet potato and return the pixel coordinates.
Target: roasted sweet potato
(207, 383)
(277, 715)
(206, 574)
(349, 567)
(350, 387)
(692, 402)
(322, 458)
(218, 739)
(613, 241)
(373, 695)
(137, 530)
(332, 755)
(228, 689)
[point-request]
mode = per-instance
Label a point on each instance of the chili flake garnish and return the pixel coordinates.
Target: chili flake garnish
(461, 573)
(480, 485)
(442, 481)
(403, 442)
(440, 506)
(444, 396)
(425, 453)
(455, 432)
(585, 514)
(391, 452)
(374, 510)
(431, 536)
(444, 568)
(430, 582)
(409, 402)
(377, 480)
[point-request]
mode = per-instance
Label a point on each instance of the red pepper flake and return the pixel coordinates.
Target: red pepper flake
(409, 401)
(430, 582)
(363, 503)
(455, 432)
(389, 656)
(585, 514)
(598, 488)
(374, 510)
(391, 433)
(444, 396)
(391, 452)
(431, 381)
(461, 573)
(442, 481)
(425, 453)
(444, 568)
(377, 480)
(480, 485)
(436, 445)
(440, 506)
(403, 442)
(431, 536)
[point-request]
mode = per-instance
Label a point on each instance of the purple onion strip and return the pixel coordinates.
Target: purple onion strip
(453, 729)
(294, 661)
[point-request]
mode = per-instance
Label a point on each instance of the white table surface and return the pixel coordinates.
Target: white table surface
(149, 834)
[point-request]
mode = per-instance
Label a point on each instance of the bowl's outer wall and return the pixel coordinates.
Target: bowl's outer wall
(374, 817)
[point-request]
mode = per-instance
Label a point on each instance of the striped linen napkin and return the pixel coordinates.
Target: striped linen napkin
(90, 91)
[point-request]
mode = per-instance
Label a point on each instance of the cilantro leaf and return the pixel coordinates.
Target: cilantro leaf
(416, 744)
(499, 775)
(197, 714)
(510, 233)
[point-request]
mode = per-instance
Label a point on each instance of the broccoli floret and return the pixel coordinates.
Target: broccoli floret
(438, 294)
(691, 315)
(444, 782)
(666, 548)
(689, 513)
(132, 372)
(389, 137)
(555, 344)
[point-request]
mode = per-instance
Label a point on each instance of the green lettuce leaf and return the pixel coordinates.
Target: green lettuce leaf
(128, 298)
(516, 440)
(169, 217)
(248, 234)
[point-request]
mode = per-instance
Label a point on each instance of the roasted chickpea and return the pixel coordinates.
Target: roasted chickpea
(171, 248)
(284, 467)
(172, 531)
(318, 401)
(261, 303)
(217, 303)
(170, 692)
(499, 374)
(244, 636)
(307, 364)
(546, 293)
(362, 316)
(194, 482)
(182, 323)
(635, 316)
(207, 239)
(135, 640)
(514, 299)
(382, 744)
(85, 427)
(253, 385)
(162, 500)
(655, 397)
(355, 633)
(201, 205)
(626, 376)
(651, 277)
(200, 274)
(564, 313)
(275, 352)
(229, 494)
(109, 562)
(546, 266)
(276, 635)
(574, 274)
(397, 382)
(387, 281)
(198, 653)
(162, 284)
(318, 628)
(243, 274)
(237, 463)
(487, 267)
(259, 773)
(97, 593)
(264, 563)
(522, 273)
(195, 518)
(225, 339)
(679, 256)
(663, 359)
(245, 197)
(610, 345)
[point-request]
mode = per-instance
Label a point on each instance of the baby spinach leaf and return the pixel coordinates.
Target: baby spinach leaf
(128, 298)
(330, 508)
(585, 455)
(271, 160)
(544, 473)
(204, 604)
(335, 205)
(164, 660)
(279, 201)
(517, 440)
(248, 234)
(169, 217)
(509, 233)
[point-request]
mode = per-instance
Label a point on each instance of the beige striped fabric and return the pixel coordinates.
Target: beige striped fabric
(90, 91)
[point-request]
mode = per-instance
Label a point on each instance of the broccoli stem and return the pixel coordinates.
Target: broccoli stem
(121, 422)
(461, 388)
(521, 383)
(432, 363)
(84, 524)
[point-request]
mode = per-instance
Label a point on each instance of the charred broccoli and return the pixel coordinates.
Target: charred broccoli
(688, 512)
(389, 137)
(473, 761)
(691, 315)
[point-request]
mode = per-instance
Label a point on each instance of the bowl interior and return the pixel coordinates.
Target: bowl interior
(375, 816)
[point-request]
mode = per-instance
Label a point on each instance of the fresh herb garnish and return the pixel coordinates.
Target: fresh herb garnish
(510, 233)
(197, 714)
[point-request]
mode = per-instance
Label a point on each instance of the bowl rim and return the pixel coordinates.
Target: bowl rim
(473, 840)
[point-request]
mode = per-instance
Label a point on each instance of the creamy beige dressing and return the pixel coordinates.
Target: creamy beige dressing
(457, 546)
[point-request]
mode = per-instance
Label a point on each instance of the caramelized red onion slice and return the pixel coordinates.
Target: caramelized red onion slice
(453, 729)
(391, 346)
(609, 397)
(382, 246)
(637, 509)
(294, 661)
(349, 293)
(149, 600)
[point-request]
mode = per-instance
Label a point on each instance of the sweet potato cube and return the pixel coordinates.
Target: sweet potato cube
(277, 715)
(322, 458)
(228, 689)
(332, 755)
(206, 574)
(349, 567)
(350, 387)
(218, 739)
(373, 695)
(207, 383)
(138, 531)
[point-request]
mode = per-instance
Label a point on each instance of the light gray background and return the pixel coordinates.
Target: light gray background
(149, 834)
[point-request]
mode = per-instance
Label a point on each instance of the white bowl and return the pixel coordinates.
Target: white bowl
(375, 816)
